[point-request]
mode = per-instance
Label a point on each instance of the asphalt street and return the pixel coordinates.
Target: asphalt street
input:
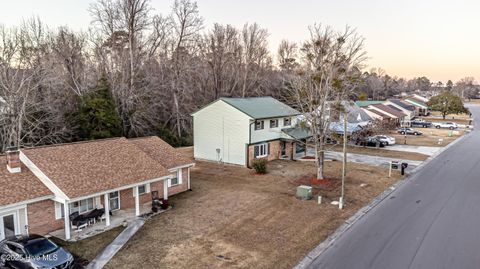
(431, 221)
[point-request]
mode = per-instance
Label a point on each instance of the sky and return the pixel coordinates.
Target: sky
(438, 39)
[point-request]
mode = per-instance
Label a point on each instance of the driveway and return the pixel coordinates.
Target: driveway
(364, 159)
(418, 149)
(431, 221)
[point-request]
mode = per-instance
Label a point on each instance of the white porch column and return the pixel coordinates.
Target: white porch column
(137, 201)
(106, 206)
(165, 189)
(188, 179)
(66, 219)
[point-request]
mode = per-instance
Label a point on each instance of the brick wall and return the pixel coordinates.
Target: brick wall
(180, 187)
(41, 217)
(275, 151)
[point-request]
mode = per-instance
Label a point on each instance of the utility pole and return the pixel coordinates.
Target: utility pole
(344, 164)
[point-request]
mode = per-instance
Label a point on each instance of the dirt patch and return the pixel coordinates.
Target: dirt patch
(430, 137)
(235, 219)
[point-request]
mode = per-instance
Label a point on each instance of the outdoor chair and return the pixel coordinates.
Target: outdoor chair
(77, 221)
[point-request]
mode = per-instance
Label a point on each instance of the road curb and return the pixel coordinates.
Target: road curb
(318, 250)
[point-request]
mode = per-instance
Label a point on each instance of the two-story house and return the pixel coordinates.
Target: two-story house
(239, 130)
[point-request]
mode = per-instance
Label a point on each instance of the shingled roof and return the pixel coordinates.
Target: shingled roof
(85, 168)
(18, 187)
(161, 151)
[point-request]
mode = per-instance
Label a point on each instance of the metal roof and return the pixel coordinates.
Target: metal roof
(261, 107)
(297, 132)
(367, 103)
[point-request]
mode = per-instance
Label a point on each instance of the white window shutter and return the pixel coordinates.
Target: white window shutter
(179, 176)
(133, 191)
(169, 183)
(58, 210)
(147, 188)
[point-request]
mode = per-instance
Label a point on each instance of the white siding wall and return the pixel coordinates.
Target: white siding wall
(221, 126)
(270, 133)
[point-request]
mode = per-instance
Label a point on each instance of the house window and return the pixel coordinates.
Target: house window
(81, 206)
(260, 150)
(174, 181)
(142, 189)
(114, 200)
(287, 122)
(273, 123)
(259, 125)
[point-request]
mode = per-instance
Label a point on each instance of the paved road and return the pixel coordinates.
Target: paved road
(431, 221)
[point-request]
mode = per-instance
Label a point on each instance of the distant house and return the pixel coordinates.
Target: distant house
(402, 106)
(421, 108)
(239, 130)
(357, 118)
(396, 116)
(43, 186)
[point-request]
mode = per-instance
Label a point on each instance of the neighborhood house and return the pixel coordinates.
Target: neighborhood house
(239, 130)
(43, 187)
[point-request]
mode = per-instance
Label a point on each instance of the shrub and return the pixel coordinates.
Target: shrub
(260, 166)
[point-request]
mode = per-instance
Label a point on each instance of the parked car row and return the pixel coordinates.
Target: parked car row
(408, 131)
(448, 125)
(378, 141)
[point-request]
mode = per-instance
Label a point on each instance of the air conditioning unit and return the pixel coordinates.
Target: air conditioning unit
(304, 192)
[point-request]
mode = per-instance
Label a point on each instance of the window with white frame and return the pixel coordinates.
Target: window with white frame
(259, 125)
(142, 189)
(273, 123)
(287, 122)
(260, 150)
(174, 181)
(82, 206)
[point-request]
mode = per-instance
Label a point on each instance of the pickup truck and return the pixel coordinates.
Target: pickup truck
(448, 125)
(420, 123)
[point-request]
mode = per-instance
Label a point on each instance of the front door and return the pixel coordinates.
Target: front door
(114, 200)
(283, 146)
(8, 226)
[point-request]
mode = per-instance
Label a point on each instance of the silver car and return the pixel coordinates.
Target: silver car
(387, 139)
(33, 252)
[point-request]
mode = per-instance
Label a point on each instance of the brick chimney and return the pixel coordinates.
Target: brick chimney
(13, 160)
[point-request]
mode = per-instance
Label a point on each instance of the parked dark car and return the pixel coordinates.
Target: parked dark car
(408, 131)
(421, 123)
(33, 252)
(370, 142)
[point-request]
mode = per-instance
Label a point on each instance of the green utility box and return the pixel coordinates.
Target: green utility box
(304, 192)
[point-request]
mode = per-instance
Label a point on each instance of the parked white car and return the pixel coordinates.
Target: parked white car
(387, 139)
(447, 125)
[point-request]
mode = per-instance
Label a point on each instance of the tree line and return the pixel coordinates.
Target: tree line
(137, 72)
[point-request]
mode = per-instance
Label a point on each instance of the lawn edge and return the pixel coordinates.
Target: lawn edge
(324, 245)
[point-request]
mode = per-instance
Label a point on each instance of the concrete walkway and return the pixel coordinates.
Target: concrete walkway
(107, 254)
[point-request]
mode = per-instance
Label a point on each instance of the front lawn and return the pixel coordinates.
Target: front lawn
(236, 219)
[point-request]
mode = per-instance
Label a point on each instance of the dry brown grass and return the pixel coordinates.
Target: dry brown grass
(429, 137)
(236, 219)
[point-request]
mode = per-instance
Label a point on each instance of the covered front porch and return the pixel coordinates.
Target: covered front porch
(88, 216)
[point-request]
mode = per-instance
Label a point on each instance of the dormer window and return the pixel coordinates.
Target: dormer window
(259, 125)
(287, 122)
(273, 123)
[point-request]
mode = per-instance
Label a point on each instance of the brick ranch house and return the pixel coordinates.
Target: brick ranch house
(239, 130)
(42, 186)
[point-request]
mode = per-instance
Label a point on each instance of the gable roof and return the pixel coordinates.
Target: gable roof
(367, 103)
(390, 110)
(161, 151)
(297, 133)
(18, 187)
(416, 102)
(402, 104)
(261, 107)
(85, 168)
(355, 114)
(383, 115)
